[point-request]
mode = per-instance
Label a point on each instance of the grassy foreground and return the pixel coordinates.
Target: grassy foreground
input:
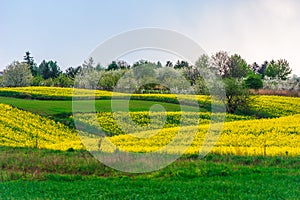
(250, 186)
(47, 174)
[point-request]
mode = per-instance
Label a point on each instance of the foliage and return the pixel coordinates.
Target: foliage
(109, 79)
(71, 72)
(278, 69)
(37, 81)
(237, 95)
(254, 81)
(259, 69)
(230, 66)
(194, 73)
(238, 67)
(181, 64)
(1, 80)
(49, 69)
(30, 61)
(63, 81)
(17, 75)
(113, 66)
(88, 78)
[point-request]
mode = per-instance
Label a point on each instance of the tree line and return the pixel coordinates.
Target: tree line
(237, 75)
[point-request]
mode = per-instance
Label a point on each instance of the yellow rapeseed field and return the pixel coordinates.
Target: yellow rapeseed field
(24, 129)
(240, 135)
(280, 136)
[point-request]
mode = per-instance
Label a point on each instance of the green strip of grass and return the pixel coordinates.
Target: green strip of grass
(258, 186)
(56, 107)
(46, 174)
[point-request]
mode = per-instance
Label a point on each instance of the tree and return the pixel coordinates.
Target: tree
(88, 64)
(238, 67)
(44, 70)
(17, 75)
(49, 69)
(232, 69)
(140, 63)
(88, 78)
(230, 66)
(54, 69)
(123, 64)
(159, 64)
(254, 81)
(192, 73)
(279, 69)
(1, 80)
(181, 64)
(169, 64)
(109, 80)
(63, 81)
(113, 66)
(259, 69)
(201, 86)
(37, 80)
(30, 61)
(220, 61)
(237, 95)
(71, 72)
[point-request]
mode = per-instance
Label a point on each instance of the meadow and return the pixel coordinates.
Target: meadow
(257, 155)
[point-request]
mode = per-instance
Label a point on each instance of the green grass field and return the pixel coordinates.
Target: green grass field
(54, 107)
(47, 174)
(31, 173)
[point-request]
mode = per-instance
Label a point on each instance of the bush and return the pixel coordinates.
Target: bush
(254, 81)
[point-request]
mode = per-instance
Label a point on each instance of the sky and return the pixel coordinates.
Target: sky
(68, 31)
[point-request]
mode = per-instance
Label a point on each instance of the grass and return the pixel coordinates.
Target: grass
(261, 186)
(48, 174)
(61, 110)
(56, 107)
(31, 163)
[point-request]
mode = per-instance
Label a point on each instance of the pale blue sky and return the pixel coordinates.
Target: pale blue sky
(68, 30)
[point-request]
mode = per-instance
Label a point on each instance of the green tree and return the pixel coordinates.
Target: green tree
(37, 80)
(254, 81)
(201, 86)
(194, 73)
(54, 69)
(71, 72)
(232, 69)
(279, 69)
(17, 75)
(109, 80)
(230, 66)
(181, 64)
(49, 69)
(30, 61)
(169, 64)
(237, 95)
(113, 66)
(63, 81)
(238, 67)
